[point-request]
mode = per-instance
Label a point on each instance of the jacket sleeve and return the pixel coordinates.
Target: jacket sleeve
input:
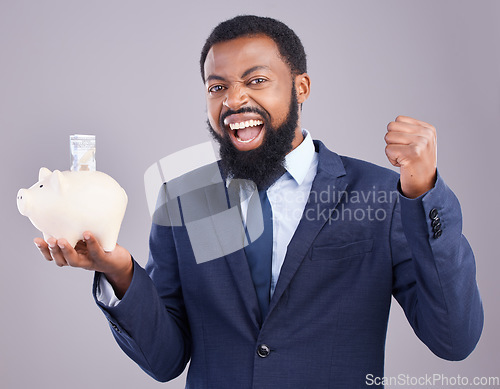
(434, 274)
(151, 327)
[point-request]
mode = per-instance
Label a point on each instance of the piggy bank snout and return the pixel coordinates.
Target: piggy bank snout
(22, 201)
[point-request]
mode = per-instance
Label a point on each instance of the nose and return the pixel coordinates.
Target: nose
(21, 201)
(236, 97)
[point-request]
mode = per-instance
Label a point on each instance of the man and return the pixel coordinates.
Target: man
(319, 319)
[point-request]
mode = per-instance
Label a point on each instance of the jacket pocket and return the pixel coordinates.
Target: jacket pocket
(335, 253)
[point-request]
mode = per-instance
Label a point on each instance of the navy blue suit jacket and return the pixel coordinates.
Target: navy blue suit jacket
(357, 245)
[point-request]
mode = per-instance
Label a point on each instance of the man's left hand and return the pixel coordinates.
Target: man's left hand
(412, 146)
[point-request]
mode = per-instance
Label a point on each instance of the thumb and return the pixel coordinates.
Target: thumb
(93, 246)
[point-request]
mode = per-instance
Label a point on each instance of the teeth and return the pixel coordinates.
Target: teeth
(245, 141)
(246, 124)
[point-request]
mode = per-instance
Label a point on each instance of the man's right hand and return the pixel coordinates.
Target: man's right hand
(88, 254)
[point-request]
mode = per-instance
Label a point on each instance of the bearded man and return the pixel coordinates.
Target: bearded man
(306, 304)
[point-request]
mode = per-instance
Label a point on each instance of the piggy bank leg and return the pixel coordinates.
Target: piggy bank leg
(108, 240)
(108, 244)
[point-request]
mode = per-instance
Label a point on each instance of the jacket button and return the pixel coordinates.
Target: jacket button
(436, 222)
(437, 227)
(433, 214)
(438, 233)
(263, 350)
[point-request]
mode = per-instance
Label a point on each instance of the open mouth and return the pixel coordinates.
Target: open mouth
(246, 131)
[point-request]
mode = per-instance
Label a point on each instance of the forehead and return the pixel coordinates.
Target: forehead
(236, 56)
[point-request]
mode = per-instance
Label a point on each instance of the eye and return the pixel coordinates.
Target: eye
(41, 186)
(215, 88)
(257, 81)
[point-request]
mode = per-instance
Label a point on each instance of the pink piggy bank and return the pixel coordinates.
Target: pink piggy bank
(65, 204)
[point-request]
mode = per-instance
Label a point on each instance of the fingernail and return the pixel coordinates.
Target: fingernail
(61, 246)
(37, 245)
(51, 245)
(86, 236)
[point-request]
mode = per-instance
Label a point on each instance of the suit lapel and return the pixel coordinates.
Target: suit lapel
(239, 267)
(237, 260)
(330, 183)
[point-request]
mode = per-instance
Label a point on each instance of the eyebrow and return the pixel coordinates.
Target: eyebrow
(213, 77)
(251, 70)
(245, 73)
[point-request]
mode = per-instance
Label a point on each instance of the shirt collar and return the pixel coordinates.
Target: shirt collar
(298, 161)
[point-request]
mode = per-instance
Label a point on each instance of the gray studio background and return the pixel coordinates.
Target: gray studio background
(127, 71)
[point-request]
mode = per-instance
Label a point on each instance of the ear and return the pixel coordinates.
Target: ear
(58, 182)
(44, 172)
(303, 87)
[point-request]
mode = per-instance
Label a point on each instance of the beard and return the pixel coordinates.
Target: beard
(266, 163)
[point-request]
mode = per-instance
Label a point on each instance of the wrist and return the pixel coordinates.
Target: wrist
(121, 278)
(416, 188)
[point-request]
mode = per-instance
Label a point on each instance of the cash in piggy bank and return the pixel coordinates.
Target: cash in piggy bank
(68, 203)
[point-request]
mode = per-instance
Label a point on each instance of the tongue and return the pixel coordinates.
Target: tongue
(248, 133)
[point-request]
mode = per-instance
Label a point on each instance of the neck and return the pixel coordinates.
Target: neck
(299, 137)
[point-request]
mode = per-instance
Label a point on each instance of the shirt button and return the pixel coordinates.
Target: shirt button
(263, 350)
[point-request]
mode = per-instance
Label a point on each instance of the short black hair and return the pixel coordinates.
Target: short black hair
(289, 44)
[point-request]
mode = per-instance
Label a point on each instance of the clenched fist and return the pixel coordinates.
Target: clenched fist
(412, 146)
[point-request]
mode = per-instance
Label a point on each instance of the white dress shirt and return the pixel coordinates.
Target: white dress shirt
(288, 197)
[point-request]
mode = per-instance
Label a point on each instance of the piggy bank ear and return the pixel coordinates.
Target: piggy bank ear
(44, 172)
(58, 182)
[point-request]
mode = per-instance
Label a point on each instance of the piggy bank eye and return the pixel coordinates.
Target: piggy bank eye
(41, 186)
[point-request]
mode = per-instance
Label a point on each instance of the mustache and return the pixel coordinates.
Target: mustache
(265, 115)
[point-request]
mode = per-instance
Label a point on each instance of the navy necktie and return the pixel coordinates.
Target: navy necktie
(259, 256)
